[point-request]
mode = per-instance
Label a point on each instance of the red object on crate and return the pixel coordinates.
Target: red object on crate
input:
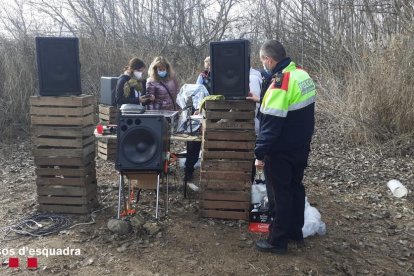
(99, 129)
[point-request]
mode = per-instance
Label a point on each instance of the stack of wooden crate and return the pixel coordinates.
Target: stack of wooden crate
(64, 153)
(228, 154)
(108, 114)
(107, 147)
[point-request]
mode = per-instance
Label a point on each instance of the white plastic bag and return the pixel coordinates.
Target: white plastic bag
(182, 161)
(313, 223)
(258, 193)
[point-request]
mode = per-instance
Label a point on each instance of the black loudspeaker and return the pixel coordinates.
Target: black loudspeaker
(143, 142)
(230, 65)
(108, 85)
(58, 66)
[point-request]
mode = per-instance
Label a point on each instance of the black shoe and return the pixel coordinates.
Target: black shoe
(265, 246)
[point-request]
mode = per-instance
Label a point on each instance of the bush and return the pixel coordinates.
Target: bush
(373, 103)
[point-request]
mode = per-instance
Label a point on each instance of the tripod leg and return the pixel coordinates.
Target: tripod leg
(158, 194)
(185, 188)
(166, 200)
(121, 177)
(123, 196)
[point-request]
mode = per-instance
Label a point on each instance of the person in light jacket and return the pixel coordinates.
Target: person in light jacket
(162, 84)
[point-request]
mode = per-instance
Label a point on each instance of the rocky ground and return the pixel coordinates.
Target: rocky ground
(368, 230)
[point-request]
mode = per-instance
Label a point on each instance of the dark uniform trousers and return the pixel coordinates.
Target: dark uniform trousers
(284, 174)
(193, 152)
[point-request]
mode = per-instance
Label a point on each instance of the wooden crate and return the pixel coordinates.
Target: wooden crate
(64, 153)
(229, 115)
(62, 111)
(108, 115)
(228, 152)
(228, 144)
(225, 204)
(107, 149)
(66, 185)
(73, 201)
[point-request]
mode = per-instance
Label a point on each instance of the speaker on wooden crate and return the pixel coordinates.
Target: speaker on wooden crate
(108, 85)
(143, 142)
(58, 66)
(230, 65)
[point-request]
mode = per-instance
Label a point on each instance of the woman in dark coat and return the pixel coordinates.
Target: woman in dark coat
(130, 88)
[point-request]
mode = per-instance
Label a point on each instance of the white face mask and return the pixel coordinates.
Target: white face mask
(138, 75)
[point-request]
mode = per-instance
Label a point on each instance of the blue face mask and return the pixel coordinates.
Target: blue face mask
(162, 74)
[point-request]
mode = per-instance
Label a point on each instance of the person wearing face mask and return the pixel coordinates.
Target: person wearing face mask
(287, 107)
(162, 85)
(130, 88)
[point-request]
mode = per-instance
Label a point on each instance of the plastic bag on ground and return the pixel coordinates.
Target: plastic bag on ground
(313, 223)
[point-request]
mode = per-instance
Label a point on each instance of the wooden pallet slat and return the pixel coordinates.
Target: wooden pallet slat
(235, 115)
(54, 170)
(225, 175)
(230, 104)
(81, 181)
(109, 144)
(60, 200)
(63, 121)
(62, 111)
(60, 190)
(225, 184)
(228, 145)
(228, 205)
(234, 155)
(59, 131)
(229, 124)
(240, 215)
(223, 135)
(64, 152)
(109, 151)
(64, 161)
(225, 195)
(59, 142)
(221, 165)
(69, 209)
(50, 101)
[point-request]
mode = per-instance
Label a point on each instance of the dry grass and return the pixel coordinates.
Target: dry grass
(373, 103)
(18, 77)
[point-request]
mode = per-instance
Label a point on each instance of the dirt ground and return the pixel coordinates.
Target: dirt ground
(368, 230)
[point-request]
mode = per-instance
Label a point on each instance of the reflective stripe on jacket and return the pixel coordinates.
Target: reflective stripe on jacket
(296, 91)
(287, 113)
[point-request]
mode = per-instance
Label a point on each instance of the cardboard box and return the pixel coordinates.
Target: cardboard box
(145, 180)
(259, 220)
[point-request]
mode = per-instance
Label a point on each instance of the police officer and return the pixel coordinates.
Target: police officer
(283, 144)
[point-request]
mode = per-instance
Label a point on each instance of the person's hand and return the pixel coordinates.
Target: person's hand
(253, 97)
(196, 112)
(146, 99)
(259, 164)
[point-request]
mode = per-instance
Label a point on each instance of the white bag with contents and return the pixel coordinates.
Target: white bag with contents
(313, 223)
